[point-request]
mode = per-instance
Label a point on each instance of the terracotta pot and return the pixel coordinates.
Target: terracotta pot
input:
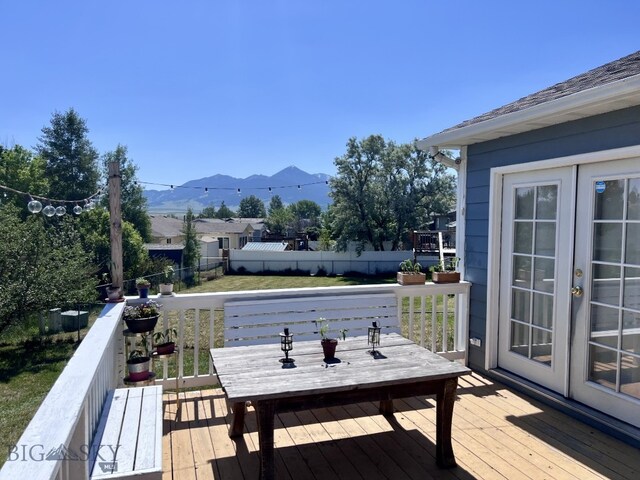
(329, 348)
(405, 278)
(445, 277)
(141, 325)
(138, 368)
(166, 348)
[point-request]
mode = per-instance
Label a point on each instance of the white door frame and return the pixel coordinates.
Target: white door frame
(495, 227)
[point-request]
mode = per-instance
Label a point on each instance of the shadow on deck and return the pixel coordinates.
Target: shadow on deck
(497, 434)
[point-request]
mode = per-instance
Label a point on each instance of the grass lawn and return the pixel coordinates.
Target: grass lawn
(29, 365)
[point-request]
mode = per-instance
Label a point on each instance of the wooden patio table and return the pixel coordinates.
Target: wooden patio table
(399, 369)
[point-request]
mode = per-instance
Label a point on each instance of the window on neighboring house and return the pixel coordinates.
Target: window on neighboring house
(243, 241)
(168, 240)
(223, 242)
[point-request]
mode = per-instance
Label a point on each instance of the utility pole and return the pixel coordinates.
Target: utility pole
(115, 222)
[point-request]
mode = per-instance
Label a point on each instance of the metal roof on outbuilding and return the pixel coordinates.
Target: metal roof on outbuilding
(266, 246)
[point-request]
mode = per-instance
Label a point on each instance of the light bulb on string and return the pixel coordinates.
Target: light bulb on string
(49, 210)
(206, 191)
(171, 188)
(77, 209)
(238, 191)
(299, 187)
(61, 210)
(87, 206)
(34, 206)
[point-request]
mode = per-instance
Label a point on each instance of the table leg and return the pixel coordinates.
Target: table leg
(445, 400)
(386, 407)
(237, 421)
(266, 412)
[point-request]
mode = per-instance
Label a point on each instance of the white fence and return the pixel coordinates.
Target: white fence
(333, 263)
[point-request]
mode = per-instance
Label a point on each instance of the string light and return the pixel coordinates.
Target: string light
(34, 202)
(237, 189)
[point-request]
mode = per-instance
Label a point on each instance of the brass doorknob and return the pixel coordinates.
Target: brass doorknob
(577, 291)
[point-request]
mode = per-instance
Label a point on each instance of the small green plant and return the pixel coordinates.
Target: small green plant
(167, 336)
(142, 282)
(449, 264)
(324, 329)
(141, 350)
(167, 274)
(409, 266)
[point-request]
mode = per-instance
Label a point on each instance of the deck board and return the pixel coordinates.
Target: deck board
(497, 434)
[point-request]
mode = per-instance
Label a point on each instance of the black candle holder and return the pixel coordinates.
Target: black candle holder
(286, 345)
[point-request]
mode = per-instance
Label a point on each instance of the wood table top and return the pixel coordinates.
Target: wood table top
(252, 373)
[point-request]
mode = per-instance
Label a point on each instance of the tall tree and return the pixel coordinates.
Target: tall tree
(191, 252)
(306, 214)
(275, 204)
(208, 212)
(382, 191)
(71, 160)
(251, 207)
(225, 212)
(134, 203)
(21, 170)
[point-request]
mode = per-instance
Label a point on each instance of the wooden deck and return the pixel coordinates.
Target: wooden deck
(497, 434)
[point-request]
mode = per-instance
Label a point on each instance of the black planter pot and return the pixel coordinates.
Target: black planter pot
(141, 325)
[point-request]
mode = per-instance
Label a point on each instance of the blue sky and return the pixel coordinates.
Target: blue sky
(195, 88)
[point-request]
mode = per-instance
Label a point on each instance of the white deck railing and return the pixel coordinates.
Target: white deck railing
(55, 444)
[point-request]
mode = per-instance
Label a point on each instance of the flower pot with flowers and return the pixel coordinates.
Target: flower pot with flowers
(411, 273)
(445, 271)
(142, 317)
(329, 344)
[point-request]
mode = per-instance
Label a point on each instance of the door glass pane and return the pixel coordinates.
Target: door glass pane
(520, 305)
(523, 238)
(632, 253)
(520, 339)
(547, 202)
(630, 375)
(546, 238)
(544, 274)
(609, 204)
(607, 246)
(631, 332)
(541, 347)
(605, 286)
(524, 203)
(543, 310)
(603, 364)
(633, 202)
(632, 288)
(604, 325)
(522, 271)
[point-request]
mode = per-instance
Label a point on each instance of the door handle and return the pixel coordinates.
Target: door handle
(577, 291)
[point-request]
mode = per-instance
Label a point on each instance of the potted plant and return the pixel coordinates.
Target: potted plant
(138, 363)
(142, 284)
(329, 344)
(166, 284)
(142, 317)
(165, 341)
(411, 273)
(113, 291)
(445, 271)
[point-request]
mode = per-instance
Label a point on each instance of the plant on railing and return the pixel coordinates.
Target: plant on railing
(166, 282)
(329, 344)
(445, 270)
(142, 317)
(113, 291)
(411, 273)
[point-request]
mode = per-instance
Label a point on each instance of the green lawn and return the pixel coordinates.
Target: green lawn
(29, 365)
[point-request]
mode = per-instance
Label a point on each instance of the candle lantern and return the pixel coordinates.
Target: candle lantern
(286, 345)
(373, 337)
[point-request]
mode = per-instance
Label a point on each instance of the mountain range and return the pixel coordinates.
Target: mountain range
(291, 183)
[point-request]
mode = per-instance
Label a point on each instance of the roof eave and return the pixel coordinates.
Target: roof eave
(605, 98)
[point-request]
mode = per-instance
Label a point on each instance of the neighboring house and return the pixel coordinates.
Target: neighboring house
(549, 230)
(166, 229)
(232, 233)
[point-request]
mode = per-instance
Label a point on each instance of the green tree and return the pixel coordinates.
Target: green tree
(132, 199)
(71, 160)
(42, 263)
(191, 252)
(306, 214)
(382, 191)
(22, 171)
(275, 204)
(279, 221)
(225, 212)
(251, 207)
(208, 212)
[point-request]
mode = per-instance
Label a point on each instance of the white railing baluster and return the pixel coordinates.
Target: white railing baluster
(411, 314)
(212, 320)
(423, 307)
(196, 342)
(181, 340)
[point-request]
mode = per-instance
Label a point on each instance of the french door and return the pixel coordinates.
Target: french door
(569, 315)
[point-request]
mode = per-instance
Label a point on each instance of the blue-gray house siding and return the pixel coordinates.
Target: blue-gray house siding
(616, 129)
